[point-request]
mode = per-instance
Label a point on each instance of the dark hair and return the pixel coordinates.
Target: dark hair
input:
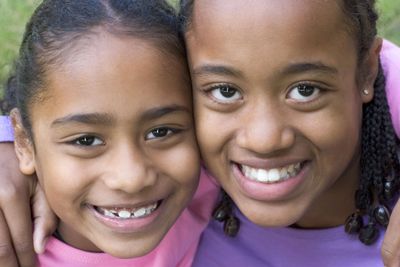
(380, 167)
(57, 26)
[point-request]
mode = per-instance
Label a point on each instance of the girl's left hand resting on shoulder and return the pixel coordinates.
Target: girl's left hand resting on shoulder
(17, 191)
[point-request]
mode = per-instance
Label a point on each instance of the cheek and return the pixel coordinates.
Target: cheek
(63, 181)
(212, 130)
(181, 163)
(335, 134)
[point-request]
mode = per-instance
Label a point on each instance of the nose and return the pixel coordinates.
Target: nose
(265, 129)
(129, 170)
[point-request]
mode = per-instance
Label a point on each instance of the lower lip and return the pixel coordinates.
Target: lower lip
(268, 191)
(128, 225)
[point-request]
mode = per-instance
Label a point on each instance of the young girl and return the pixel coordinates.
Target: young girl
(306, 140)
(254, 249)
(104, 119)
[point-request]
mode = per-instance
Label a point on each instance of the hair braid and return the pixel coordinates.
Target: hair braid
(379, 167)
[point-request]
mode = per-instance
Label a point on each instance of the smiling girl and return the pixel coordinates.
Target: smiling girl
(292, 120)
(104, 119)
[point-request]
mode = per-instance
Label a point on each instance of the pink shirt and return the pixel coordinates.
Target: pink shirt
(176, 249)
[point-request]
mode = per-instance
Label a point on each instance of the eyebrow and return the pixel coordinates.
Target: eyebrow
(86, 118)
(216, 69)
(308, 67)
(158, 112)
(291, 69)
(106, 119)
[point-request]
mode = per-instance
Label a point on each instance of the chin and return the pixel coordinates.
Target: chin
(124, 254)
(127, 251)
(271, 217)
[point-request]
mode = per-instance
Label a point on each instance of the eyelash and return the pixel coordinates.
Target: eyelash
(318, 89)
(170, 131)
(81, 138)
(209, 92)
(79, 141)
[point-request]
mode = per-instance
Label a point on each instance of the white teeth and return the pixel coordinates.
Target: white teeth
(127, 214)
(124, 214)
(283, 173)
(109, 213)
(262, 175)
(271, 175)
(290, 169)
(140, 212)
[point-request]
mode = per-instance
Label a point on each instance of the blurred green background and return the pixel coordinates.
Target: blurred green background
(15, 13)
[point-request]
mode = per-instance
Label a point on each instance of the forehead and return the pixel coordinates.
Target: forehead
(267, 20)
(113, 73)
(248, 31)
(271, 11)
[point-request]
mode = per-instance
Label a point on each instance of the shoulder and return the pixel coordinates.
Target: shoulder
(390, 59)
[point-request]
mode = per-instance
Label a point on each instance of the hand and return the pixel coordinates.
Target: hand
(16, 193)
(391, 243)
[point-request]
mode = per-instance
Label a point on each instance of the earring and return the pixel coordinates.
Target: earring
(365, 92)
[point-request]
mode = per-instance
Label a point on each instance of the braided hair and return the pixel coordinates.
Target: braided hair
(380, 168)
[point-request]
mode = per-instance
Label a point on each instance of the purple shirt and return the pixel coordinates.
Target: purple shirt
(256, 246)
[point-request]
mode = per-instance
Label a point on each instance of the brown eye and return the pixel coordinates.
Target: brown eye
(225, 93)
(304, 93)
(160, 132)
(306, 90)
(88, 140)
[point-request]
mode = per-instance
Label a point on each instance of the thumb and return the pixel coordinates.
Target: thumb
(44, 220)
(390, 249)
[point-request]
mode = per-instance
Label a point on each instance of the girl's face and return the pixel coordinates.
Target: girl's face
(114, 144)
(277, 107)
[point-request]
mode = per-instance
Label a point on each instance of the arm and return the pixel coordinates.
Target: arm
(390, 58)
(16, 194)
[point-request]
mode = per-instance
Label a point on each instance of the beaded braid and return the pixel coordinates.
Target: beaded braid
(380, 168)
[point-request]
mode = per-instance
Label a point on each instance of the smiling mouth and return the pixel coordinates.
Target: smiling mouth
(128, 213)
(274, 175)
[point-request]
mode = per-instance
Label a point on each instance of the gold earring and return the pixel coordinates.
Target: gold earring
(365, 92)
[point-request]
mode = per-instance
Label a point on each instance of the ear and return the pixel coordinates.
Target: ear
(23, 144)
(372, 67)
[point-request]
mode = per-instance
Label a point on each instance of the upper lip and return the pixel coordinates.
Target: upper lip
(267, 164)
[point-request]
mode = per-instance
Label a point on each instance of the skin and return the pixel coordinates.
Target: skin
(109, 133)
(248, 78)
(391, 243)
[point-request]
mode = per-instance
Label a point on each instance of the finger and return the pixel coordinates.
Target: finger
(18, 217)
(44, 220)
(7, 255)
(391, 244)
